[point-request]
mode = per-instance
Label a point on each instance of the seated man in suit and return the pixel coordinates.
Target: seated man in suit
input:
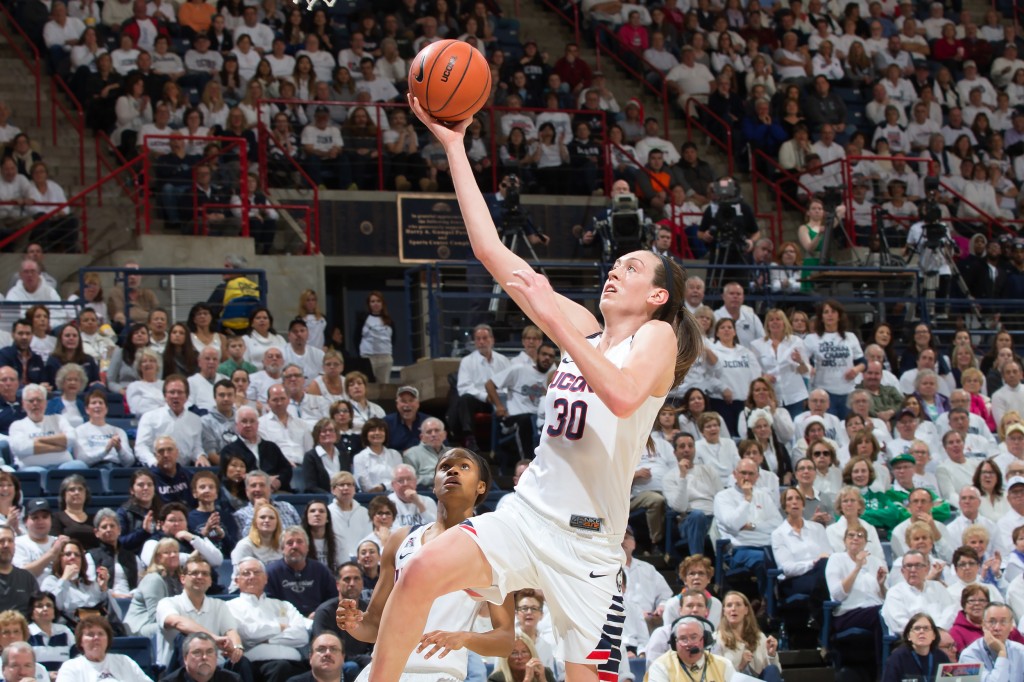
(257, 452)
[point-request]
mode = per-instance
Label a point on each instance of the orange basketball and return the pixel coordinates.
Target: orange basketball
(451, 79)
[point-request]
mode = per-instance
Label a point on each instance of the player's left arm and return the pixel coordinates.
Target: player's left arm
(496, 642)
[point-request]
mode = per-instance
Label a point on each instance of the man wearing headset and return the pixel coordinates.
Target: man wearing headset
(688, 657)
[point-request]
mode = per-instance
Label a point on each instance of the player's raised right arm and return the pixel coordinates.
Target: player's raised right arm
(499, 260)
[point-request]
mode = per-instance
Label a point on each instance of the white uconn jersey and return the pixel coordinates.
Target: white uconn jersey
(452, 612)
(584, 467)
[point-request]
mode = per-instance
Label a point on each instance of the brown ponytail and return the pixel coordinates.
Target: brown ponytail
(689, 337)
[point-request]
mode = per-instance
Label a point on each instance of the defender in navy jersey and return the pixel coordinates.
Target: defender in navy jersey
(562, 532)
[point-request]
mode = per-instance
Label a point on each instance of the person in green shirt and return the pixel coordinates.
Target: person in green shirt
(236, 358)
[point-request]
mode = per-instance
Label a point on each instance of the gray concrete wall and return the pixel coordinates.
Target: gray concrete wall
(287, 275)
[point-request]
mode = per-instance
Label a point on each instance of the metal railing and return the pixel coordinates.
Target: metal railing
(148, 177)
(79, 200)
(9, 28)
(447, 299)
(121, 275)
(491, 115)
(131, 189)
(661, 94)
(695, 122)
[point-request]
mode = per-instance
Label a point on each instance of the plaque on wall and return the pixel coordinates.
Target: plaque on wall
(430, 228)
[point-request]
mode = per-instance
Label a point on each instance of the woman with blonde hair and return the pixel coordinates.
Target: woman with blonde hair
(148, 392)
(263, 541)
(740, 640)
(162, 579)
(330, 383)
(973, 381)
(523, 664)
(212, 105)
(15, 628)
(316, 322)
(783, 358)
(849, 507)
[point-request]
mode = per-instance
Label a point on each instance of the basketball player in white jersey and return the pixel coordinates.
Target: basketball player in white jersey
(563, 531)
(461, 481)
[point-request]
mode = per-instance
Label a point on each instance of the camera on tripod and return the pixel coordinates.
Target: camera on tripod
(729, 229)
(624, 229)
(936, 235)
(831, 198)
(512, 187)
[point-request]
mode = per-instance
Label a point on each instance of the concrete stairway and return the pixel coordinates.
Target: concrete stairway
(111, 226)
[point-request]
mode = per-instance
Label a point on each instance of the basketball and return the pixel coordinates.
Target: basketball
(451, 79)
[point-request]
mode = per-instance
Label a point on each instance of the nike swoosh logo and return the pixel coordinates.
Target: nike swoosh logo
(419, 76)
(597, 575)
(401, 557)
(567, 361)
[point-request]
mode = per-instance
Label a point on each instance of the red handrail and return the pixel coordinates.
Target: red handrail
(378, 106)
(78, 199)
(131, 190)
(694, 122)
(661, 94)
(146, 182)
(35, 65)
(76, 118)
(988, 219)
(263, 133)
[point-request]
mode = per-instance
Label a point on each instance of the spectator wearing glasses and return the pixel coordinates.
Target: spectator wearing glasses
(1000, 658)
(272, 630)
(968, 626)
(191, 611)
(200, 654)
(917, 594)
(920, 656)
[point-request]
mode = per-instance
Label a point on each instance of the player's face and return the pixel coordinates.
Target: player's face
(630, 282)
(458, 476)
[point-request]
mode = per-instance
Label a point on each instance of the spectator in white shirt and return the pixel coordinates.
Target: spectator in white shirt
(298, 351)
(474, 371)
(172, 420)
(748, 324)
(916, 593)
(31, 286)
(272, 630)
(647, 490)
(856, 579)
(801, 550)
(260, 382)
(689, 79)
(1009, 398)
(293, 435)
(61, 33)
(201, 383)
(746, 516)
(374, 465)
(42, 441)
(101, 444)
(262, 36)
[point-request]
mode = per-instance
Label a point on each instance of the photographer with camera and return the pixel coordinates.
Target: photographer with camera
(508, 213)
(621, 228)
(729, 228)
(932, 241)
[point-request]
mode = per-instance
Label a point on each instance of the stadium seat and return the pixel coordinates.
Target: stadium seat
(31, 483)
(119, 480)
(139, 649)
(93, 479)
